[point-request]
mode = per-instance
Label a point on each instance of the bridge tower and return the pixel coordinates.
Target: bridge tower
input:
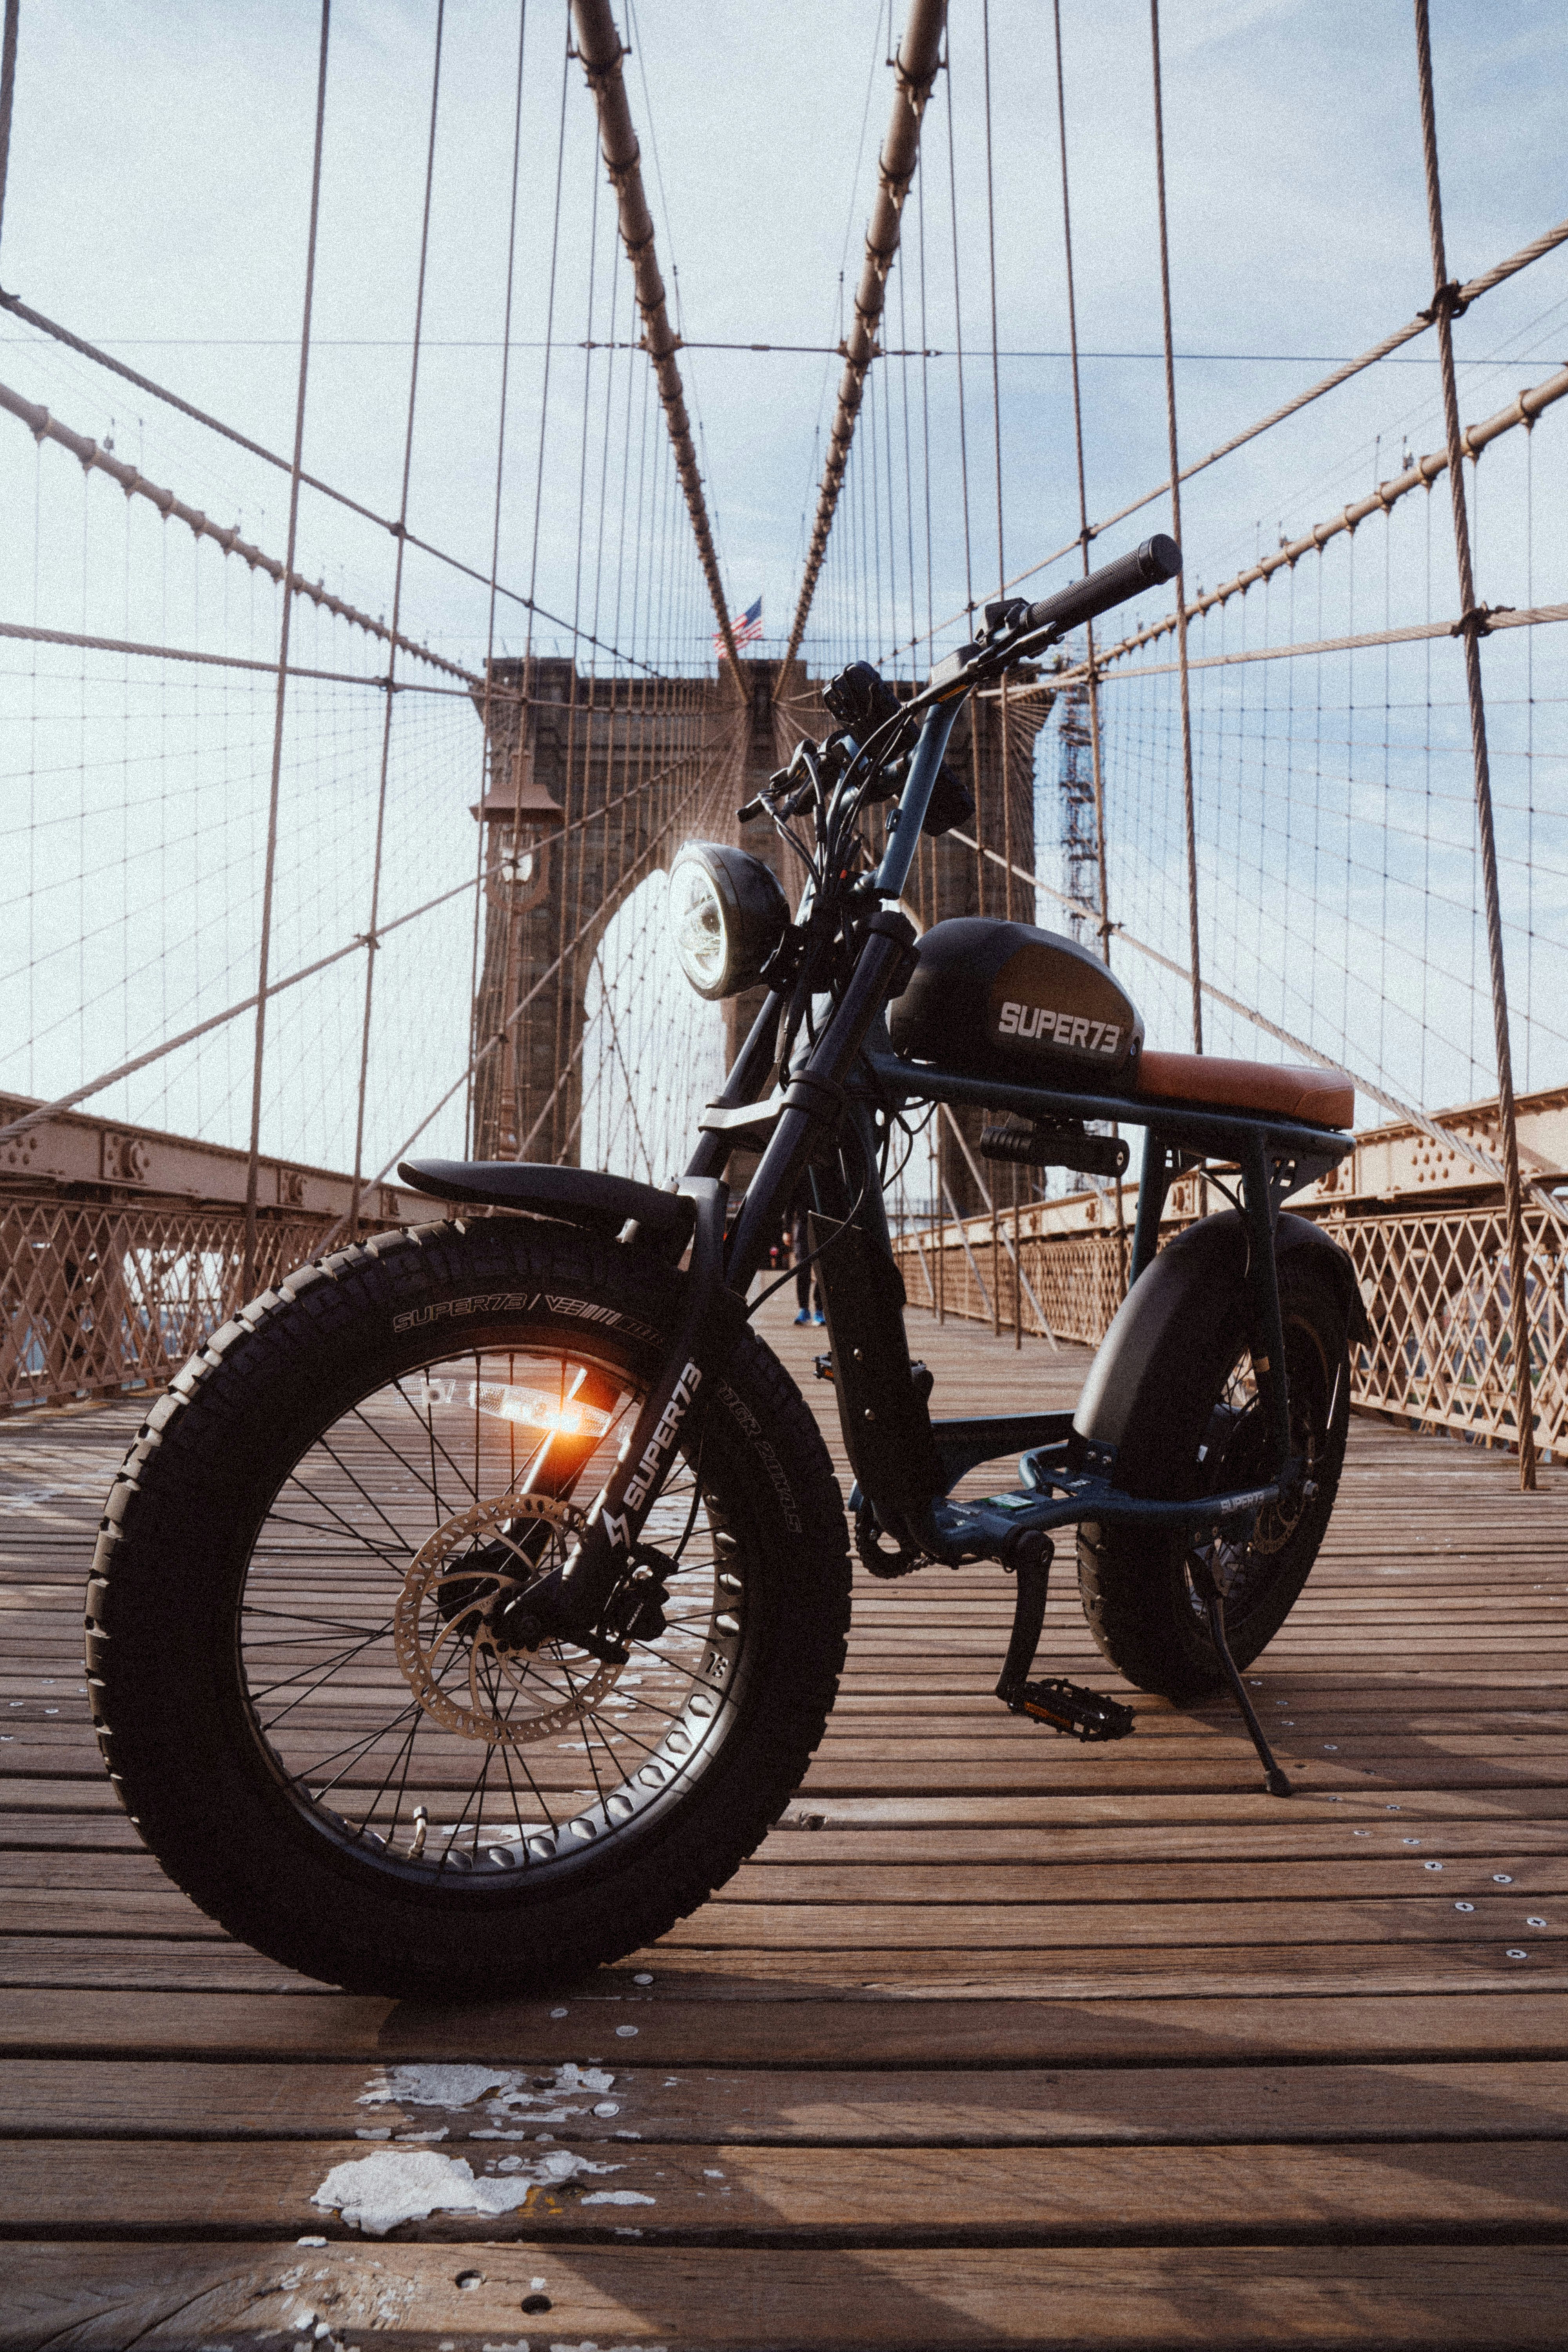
(561, 750)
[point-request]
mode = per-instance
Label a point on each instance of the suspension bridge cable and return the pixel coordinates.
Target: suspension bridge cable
(1420, 474)
(1103, 925)
(380, 836)
(1496, 617)
(1547, 242)
(915, 70)
(487, 713)
(990, 246)
(253, 1164)
(963, 476)
(7, 95)
(599, 47)
(27, 635)
(1443, 298)
(276, 988)
(254, 448)
(1188, 808)
(997, 435)
(95, 459)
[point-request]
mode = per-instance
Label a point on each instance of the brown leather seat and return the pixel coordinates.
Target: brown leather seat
(1322, 1097)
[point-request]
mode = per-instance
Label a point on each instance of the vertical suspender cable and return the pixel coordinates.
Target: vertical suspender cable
(599, 47)
(371, 942)
(1187, 806)
(1445, 296)
(963, 480)
(991, 241)
(915, 70)
(1084, 533)
(996, 434)
(248, 1265)
(495, 565)
(1084, 537)
(7, 94)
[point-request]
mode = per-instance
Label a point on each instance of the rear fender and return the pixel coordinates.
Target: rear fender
(1199, 1275)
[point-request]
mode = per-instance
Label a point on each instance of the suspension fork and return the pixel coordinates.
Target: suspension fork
(814, 1099)
(572, 1598)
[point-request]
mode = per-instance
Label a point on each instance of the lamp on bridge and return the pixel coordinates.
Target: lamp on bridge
(520, 817)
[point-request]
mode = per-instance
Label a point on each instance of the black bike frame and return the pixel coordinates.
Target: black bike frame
(848, 1072)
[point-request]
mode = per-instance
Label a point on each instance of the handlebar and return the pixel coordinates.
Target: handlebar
(1158, 558)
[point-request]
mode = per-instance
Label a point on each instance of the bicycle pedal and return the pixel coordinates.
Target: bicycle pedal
(1068, 1707)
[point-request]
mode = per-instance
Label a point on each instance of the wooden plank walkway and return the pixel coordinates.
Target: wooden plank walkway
(998, 2040)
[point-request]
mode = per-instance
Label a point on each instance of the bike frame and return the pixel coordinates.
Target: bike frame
(849, 1071)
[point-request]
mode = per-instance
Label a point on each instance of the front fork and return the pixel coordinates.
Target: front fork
(574, 1597)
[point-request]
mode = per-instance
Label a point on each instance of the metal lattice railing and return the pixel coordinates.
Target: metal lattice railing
(99, 1299)
(1436, 1285)
(1438, 1292)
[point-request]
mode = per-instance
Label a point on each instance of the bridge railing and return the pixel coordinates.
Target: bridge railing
(122, 1250)
(1429, 1249)
(1435, 1283)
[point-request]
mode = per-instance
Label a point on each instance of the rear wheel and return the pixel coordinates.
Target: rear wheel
(1141, 1589)
(307, 1683)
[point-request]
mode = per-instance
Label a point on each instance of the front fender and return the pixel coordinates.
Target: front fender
(576, 1196)
(1199, 1274)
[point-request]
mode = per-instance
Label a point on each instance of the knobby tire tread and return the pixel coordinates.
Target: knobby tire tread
(205, 1419)
(1132, 1583)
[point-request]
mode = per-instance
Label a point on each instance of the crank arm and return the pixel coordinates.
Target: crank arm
(574, 1597)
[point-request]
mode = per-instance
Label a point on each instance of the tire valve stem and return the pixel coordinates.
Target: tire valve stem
(421, 1824)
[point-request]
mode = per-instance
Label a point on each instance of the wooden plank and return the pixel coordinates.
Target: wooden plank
(998, 1955)
(1322, 2194)
(958, 1971)
(177, 2298)
(789, 1872)
(1011, 2106)
(794, 2028)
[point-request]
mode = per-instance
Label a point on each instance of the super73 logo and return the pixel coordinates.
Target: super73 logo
(618, 1526)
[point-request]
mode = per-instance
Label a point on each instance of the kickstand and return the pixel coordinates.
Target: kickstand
(1275, 1781)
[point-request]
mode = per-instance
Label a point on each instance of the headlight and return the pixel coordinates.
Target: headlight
(728, 913)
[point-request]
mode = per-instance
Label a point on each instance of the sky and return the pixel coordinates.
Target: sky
(158, 204)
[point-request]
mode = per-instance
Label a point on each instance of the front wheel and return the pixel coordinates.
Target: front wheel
(1140, 1592)
(308, 1688)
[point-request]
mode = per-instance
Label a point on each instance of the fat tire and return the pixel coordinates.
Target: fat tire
(162, 1619)
(1133, 1583)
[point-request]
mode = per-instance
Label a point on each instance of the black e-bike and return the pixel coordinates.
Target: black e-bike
(470, 1606)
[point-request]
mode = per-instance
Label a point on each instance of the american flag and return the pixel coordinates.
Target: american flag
(747, 628)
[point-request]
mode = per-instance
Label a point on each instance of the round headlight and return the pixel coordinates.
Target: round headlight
(728, 913)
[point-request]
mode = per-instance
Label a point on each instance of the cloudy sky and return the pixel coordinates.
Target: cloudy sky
(159, 181)
(157, 204)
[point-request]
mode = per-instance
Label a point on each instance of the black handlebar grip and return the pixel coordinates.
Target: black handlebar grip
(1158, 558)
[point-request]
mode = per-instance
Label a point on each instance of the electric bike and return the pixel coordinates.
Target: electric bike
(470, 1606)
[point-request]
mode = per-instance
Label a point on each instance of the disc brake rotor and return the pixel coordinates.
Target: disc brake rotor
(460, 1667)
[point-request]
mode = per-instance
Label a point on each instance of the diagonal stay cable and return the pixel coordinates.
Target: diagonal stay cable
(355, 946)
(311, 481)
(1547, 242)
